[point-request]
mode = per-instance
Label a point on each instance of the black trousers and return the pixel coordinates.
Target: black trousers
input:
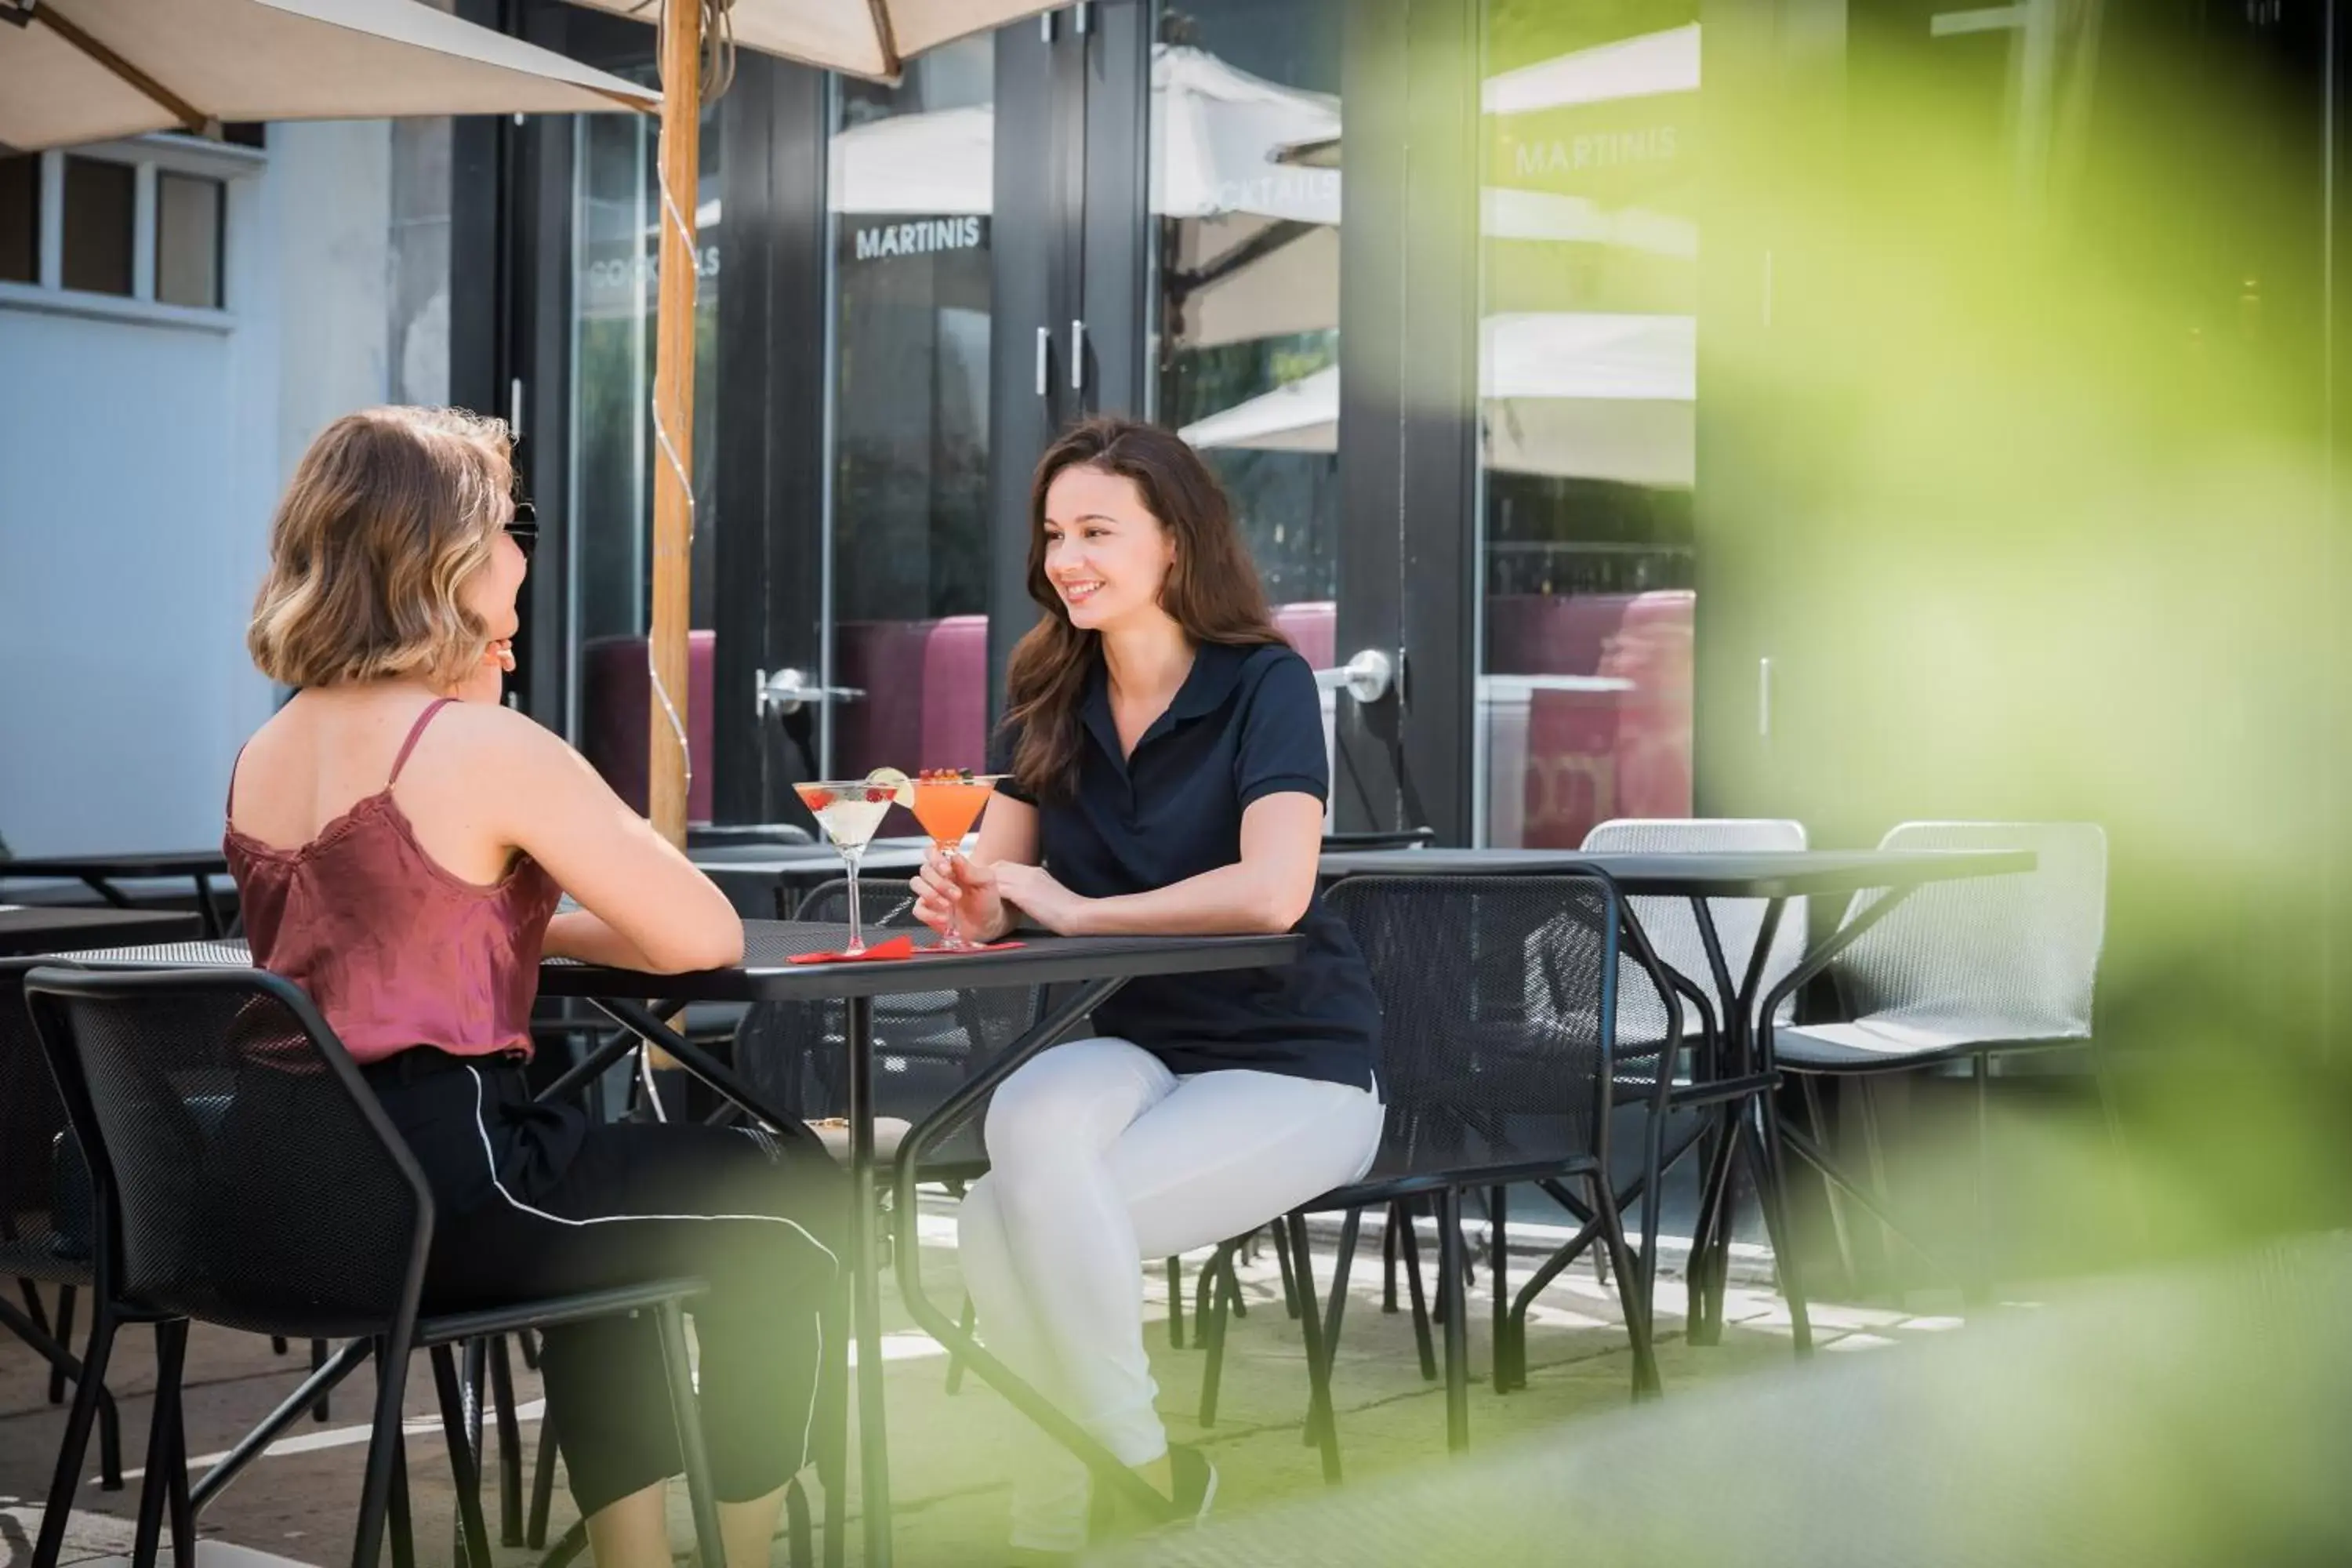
(536, 1200)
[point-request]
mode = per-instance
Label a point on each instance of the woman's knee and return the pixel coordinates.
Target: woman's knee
(1073, 1099)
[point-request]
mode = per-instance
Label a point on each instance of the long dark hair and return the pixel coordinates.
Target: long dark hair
(1212, 589)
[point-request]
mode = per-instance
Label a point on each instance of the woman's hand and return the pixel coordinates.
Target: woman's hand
(955, 892)
(1043, 898)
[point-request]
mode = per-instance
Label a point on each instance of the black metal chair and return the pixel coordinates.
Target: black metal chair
(1516, 1011)
(45, 1236)
(243, 1174)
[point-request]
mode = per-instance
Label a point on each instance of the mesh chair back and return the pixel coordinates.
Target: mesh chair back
(246, 1171)
(1503, 1020)
(45, 1229)
(1987, 958)
(1671, 925)
(926, 1044)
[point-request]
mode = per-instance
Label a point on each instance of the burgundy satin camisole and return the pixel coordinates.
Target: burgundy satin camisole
(393, 949)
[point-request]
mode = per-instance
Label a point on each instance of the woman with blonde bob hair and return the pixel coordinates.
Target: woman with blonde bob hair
(399, 841)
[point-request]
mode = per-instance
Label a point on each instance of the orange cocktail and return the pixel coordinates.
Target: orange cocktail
(948, 804)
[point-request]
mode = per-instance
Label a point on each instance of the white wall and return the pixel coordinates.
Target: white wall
(139, 458)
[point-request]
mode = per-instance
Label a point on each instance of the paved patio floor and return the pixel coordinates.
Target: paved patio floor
(949, 1453)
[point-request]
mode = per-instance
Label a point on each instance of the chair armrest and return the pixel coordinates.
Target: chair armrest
(449, 1327)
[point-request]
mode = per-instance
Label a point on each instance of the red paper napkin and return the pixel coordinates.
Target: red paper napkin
(897, 947)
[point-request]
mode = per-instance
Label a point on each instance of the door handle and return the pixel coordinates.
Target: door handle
(1367, 678)
(789, 690)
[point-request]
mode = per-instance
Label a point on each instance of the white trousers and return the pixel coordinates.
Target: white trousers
(1100, 1159)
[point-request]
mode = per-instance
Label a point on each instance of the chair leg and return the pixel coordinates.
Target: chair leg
(2127, 1174)
(65, 1337)
(383, 1445)
(1980, 1288)
(182, 1513)
(1388, 1263)
(278, 1345)
(404, 1525)
(1209, 1315)
(32, 1307)
(542, 1485)
(88, 1392)
(171, 1355)
(1283, 1261)
(1638, 1320)
(833, 1455)
(1761, 1132)
(1337, 1313)
(1236, 1301)
(473, 1536)
(1818, 1122)
(323, 1411)
(702, 1500)
(1322, 1427)
(1449, 1298)
(1175, 1303)
(1409, 1245)
(969, 1317)
(502, 1396)
(1873, 1146)
(1498, 1264)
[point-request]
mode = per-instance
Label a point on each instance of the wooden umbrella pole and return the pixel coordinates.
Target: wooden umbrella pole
(668, 765)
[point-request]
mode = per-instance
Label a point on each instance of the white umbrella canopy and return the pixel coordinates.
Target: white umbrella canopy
(1578, 395)
(862, 37)
(86, 70)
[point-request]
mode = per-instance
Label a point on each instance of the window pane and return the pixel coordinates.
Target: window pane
(98, 201)
(912, 194)
(188, 240)
(20, 218)
(1588, 376)
(1245, 206)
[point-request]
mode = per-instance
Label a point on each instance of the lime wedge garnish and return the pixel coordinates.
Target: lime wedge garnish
(902, 788)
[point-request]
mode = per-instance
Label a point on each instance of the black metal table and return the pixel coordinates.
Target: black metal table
(99, 873)
(1091, 968)
(36, 929)
(1774, 876)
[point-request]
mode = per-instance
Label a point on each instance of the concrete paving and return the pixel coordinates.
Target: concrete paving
(949, 1454)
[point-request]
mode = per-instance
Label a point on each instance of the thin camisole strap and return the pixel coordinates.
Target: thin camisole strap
(228, 806)
(415, 731)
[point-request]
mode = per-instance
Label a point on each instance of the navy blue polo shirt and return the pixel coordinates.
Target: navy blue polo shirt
(1246, 723)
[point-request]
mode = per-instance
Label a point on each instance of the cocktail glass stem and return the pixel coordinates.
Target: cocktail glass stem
(953, 938)
(856, 929)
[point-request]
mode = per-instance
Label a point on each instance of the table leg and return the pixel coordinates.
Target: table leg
(865, 1290)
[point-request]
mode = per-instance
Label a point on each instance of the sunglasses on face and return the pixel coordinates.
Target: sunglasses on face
(523, 528)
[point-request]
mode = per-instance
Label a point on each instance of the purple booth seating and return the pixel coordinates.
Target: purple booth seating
(1593, 755)
(615, 716)
(1313, 629)
(926, 702)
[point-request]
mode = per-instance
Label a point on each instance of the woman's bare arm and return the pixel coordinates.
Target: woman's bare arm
(642, 904)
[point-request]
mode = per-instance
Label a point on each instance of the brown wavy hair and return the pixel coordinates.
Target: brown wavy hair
(1212, 589)
(388, 513)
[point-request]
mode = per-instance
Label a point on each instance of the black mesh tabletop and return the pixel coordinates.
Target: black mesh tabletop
(767, 974)
(58, 928)
(1743, 874)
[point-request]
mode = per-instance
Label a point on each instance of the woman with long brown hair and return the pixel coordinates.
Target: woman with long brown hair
(1168, 775)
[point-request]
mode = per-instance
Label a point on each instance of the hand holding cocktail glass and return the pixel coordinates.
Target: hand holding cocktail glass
(958, 897)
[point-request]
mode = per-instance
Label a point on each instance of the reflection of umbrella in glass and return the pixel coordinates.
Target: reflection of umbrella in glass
(1576, 394)
(85, 70)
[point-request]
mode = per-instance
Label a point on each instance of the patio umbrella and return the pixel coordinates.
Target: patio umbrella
(86, 70)
(1579, 395)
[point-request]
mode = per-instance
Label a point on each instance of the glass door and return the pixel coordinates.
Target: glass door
(1587, 418)
(902, 681)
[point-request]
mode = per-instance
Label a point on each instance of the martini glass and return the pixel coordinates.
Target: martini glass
(948, 804)
(850, 813)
